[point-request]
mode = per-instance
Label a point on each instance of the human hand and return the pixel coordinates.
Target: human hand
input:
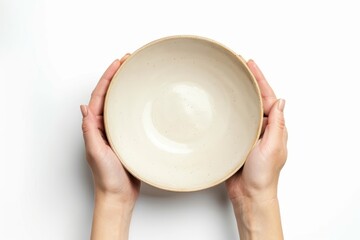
(115, 189)
(258, 178)
(253, 189)
(110, 177)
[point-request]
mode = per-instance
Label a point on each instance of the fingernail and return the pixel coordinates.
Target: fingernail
(125, 57)
(281, 105)
(254, 63)
(84, 110)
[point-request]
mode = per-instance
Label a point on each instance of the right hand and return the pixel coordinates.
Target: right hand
(258, 178)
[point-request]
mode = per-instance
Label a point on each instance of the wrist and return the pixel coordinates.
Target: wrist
(115, 201)
(258, 218)
(111, 218)
(241, 193)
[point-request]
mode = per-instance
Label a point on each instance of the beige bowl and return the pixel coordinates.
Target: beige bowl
(182, 113)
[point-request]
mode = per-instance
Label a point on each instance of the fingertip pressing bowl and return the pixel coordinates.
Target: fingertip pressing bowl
(182, 113)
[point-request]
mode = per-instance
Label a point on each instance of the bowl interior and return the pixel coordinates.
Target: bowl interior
(182, 113)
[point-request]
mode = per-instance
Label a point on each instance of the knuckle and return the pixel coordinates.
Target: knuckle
(281, 123)
(85, 126)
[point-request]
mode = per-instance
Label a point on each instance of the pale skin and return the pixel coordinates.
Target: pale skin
(252, 190)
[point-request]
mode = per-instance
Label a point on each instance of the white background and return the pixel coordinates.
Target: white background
(52, 54)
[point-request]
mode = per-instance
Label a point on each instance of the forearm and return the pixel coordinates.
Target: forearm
(258, 220)
(111, 219)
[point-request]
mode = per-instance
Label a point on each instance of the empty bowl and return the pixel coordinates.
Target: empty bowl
(182, 113)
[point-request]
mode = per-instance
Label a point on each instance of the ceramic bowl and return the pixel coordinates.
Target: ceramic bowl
(182, 113)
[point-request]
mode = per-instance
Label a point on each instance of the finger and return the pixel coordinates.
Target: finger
(100, 123)
(123, 59)
(267, 94)
(96, 103)
(274, 136)
(94, 142)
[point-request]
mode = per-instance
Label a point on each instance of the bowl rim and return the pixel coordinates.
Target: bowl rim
(254, 141)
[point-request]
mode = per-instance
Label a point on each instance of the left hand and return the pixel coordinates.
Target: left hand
(110, 177)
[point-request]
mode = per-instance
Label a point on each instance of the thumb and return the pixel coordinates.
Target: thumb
(92, 136)
(274, 136)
